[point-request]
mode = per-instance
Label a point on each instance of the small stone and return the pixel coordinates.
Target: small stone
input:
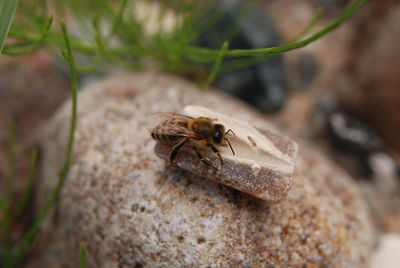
(184, 220)
(260, 163)
(135, 207)
(387, 253)
(348, 135)
(307, 69)
(368, 82)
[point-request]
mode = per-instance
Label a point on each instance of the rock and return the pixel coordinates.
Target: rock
(307, 69)
(358, 62)
(30, 91)
(387, 253)
(368, 82)
(367, 85)
(349, 137)
(362, 152)
(133, 209)
(263, 84)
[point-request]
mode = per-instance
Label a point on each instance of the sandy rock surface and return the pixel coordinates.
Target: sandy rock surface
(133, 209)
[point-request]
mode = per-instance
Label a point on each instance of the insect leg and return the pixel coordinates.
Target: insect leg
(204, 160)
(215, 150)
(230, 146)
(176, 149)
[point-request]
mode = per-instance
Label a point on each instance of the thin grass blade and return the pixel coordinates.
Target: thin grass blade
(217, 66)
(19, 208)
(31, 234)
(311, 24)
(352, 7)
(82, 255)
(6, 222)
(7, 11)
(11, 162)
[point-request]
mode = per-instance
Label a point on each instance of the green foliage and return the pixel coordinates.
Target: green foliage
(7, 10)
(114, 32)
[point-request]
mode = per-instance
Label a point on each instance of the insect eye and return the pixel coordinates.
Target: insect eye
(217, 137)
(219, 129)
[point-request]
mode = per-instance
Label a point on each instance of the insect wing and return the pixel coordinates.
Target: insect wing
(166, 124)
(174, 130)
(156, 119)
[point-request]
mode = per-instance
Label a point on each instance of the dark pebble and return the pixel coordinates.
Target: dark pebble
(246, 27)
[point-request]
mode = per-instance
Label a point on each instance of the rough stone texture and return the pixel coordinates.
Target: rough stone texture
(132, 208)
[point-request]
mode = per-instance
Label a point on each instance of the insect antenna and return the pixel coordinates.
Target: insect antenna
(230, 146)
(230, 130)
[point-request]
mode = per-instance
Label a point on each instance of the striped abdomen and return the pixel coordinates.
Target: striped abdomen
(165, 138)
(161, 132)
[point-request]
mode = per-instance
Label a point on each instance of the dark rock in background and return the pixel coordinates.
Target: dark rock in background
(350, 136)
(247, 26)
(307, 69)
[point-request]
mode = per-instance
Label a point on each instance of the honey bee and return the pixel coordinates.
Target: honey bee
(199, 133)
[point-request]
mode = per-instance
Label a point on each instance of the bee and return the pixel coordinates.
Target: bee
(200, 133)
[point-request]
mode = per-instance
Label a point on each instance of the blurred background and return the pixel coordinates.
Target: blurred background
(340, 90)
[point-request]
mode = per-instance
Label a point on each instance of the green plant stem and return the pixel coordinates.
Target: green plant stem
(7, 201)
(344, 15)
(311, 24)
(118, 19)
(11, 163)
(30, 235)
(217, 65)
(82, 255)
(28, 187)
